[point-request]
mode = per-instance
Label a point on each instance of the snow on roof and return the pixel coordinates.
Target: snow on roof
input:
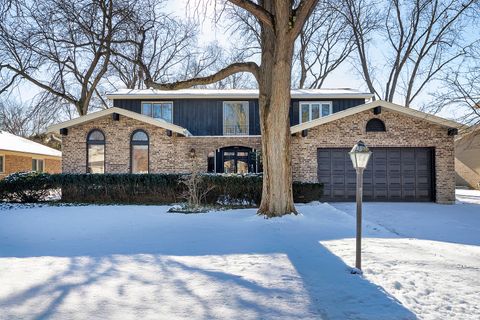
(324, 93)
(11, 142)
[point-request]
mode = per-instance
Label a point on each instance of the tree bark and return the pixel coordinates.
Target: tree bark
(274, 102)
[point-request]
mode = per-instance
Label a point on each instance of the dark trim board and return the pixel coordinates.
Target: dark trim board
(394, 174)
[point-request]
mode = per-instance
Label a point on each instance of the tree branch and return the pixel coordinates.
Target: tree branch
(257, 11)
(251, 67)
(301, 15)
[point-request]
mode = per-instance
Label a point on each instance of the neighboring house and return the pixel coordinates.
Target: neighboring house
(219, 131)
(467, 159)
(18, 154)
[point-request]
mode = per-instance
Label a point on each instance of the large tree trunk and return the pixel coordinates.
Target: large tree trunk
(274, 101)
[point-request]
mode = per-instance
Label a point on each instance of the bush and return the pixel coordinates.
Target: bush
(144, 188)
(25, 187)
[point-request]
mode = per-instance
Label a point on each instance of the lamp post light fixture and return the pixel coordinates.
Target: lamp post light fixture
(360, 154)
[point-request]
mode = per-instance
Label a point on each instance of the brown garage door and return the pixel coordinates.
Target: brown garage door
(393, 174)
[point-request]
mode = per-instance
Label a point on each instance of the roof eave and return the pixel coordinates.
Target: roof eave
(130, 114)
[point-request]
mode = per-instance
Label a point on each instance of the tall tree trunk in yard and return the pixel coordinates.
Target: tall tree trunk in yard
(280, 26)
(274, 85)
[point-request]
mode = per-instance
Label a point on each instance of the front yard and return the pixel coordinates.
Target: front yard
(140, 262)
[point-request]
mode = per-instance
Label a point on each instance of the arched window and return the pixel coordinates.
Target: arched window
(375, 125)
(96, 152)
(139, 152)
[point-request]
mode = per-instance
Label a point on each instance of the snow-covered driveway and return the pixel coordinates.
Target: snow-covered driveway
(131, 262)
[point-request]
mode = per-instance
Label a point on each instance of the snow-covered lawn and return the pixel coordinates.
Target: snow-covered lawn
(139, 262)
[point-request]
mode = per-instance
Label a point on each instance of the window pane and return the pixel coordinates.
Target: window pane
(96, 135)
(242, 167)
(235, 118)
(305, 113)
(40, 165)
(2, 169)
(229, 166)
(315, 111)
(34, 164)
(140, 136)
(139, 159)
(147, 109)
(167, 112)
(211, 162)
(157, 110)
(96, 158)
(325, 110)
(242, 154)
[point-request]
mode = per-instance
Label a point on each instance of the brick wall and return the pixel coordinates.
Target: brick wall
(21, 163)
(402, 131)
(167, 154)
(171, 154)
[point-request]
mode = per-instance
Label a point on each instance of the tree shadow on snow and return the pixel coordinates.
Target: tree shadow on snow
(99, 257)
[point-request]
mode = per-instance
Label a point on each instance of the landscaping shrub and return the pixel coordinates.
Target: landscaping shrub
(243, 190)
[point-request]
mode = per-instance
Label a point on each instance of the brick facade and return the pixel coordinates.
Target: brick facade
(172, 154)
(401, 131)
(18, 162)
(167, 154)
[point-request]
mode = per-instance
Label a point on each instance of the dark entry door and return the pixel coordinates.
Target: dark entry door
(236, 160)
(393, 174)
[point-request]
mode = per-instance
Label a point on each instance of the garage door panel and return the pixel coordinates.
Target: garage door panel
(393, 174)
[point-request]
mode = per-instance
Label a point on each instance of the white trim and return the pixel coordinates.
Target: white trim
(325, 93)
(244, 103)
(320, 103)
(152, 103)
(2, 167)
(130, 114)
(378, 103)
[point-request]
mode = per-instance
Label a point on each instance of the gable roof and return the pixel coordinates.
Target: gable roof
(324, 93)
(378, 103)
(130, 114)
(11, 142)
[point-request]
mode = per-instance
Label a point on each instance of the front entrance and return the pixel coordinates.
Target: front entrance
(236, 159)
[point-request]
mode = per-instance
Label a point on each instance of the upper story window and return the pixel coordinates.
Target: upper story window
(235, 118)
(37, 165)
(158, 110)
(311, 110)
(96, 152)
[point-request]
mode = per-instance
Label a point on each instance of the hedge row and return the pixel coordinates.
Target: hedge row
(142, 188)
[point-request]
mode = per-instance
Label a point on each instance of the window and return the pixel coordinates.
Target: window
(96, 152)
(2, 163)
(139, 152)
(235, 118)
(158, 110)
(375, 125)
(312, 110)
(37, 165)
(211, 162)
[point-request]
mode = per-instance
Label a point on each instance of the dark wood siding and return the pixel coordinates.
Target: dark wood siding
(204, 117)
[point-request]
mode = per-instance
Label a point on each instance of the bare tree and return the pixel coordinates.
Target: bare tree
(62, 46)
(324, 43)
(280, 25)
(422, 38)
(30, 119)
(460, 90)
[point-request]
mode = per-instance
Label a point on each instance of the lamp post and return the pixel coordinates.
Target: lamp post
(360, 154)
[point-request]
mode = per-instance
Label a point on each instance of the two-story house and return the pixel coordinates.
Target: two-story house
(151, 131)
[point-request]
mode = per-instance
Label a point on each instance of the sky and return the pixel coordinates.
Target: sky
(344, 77)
